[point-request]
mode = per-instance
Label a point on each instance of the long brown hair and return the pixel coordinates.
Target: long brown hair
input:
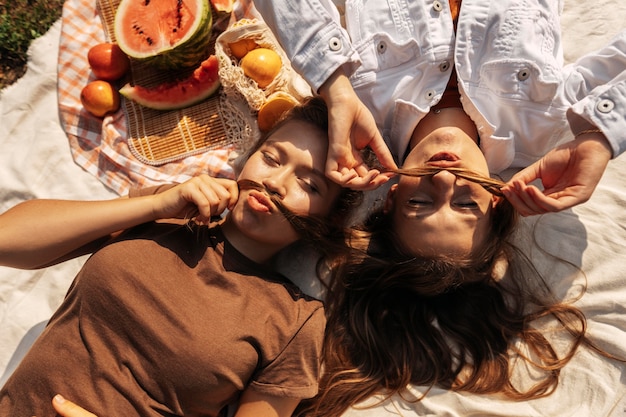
(395, 319)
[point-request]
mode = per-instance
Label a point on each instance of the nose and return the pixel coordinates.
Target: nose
(444, 180)
(275, 184)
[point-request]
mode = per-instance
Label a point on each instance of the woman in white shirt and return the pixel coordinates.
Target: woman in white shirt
(383, 66)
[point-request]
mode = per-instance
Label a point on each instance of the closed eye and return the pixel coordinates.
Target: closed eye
(309, 185)
(467, 205)
(414, 202)
(270, 159)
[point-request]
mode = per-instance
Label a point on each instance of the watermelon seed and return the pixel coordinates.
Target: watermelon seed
(179, 6)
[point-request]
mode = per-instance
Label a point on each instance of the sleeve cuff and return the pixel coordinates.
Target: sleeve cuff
(605, 111)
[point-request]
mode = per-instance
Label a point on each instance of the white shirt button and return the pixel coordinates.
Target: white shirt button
(381, 47)
(605, 105)
(523, 74)
(334, 43)
(437, 6)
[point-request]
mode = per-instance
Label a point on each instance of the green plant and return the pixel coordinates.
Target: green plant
(21, 21)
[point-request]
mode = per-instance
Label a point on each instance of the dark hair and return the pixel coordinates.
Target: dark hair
(394, 320)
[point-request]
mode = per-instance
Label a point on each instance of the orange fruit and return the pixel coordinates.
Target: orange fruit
(240, 48)
(272, 110)
(107, 61)
(223, 6)
(262, 65)
(100, 98)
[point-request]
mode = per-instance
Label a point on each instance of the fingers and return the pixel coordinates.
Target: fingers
(527, 175)
(349, 170)
(366, 182)
(382, 152)
(351, 129)
(68, 409)
(359, 178)
(214, 195)
(522, 196)
(210, 195)
(349, 178)
(529, 200)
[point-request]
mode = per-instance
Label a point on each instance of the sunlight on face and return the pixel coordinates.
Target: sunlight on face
(442, 215)
(290, 165)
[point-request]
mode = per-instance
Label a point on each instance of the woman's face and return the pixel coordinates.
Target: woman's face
(290, 164)
(441, 214)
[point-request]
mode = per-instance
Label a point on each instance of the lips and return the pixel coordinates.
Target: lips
(444, 156)
(444, 160)
(259, 201)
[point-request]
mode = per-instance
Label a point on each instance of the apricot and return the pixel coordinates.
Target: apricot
(262, 65)
(273, 109)
(100, 98)
(107, 61)
(241, 47)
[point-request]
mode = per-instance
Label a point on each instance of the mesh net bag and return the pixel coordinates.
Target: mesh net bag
(232, 76)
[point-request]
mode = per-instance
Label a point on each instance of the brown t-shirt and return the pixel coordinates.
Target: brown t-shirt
(170, 320)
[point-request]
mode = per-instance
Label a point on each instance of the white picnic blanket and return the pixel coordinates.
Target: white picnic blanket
(35, 162)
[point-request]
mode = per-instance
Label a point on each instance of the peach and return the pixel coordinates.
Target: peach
(100, 98)
(107, 61)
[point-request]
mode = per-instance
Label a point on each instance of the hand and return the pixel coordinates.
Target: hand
(68, 409)
(201, 197)
(352, 128)
(569, 174)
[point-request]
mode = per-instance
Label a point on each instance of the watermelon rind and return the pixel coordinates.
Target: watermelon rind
(187, 52)
(200, 85)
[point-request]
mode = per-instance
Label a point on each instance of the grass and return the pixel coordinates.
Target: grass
(21, 21)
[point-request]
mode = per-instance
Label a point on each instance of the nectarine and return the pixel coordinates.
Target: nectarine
(107, 61)
(100, 98)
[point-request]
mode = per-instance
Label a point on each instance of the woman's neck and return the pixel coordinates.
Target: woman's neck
(252, 249)
(444, 117)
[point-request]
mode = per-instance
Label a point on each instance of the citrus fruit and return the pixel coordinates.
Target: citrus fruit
(100, 98)
(272, 110)
(262, 65)
(223, 6)
(107, 61)
(241, 47)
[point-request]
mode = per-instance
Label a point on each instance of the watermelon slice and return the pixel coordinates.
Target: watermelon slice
(178, 94)
(168, 34)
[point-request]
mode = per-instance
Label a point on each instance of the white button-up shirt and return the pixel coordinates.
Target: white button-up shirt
(507, 55)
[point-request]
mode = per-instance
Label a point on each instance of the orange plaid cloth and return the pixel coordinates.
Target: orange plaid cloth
(100, 145)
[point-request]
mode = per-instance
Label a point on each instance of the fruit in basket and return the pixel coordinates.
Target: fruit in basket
(241, 47)
(201, 84)
(168, 34)
(107, 61)
(272, 110)
(262, 65)
(223, 6)
(100, 98)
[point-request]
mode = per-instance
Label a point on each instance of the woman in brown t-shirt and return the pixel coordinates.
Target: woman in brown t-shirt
(167, 318)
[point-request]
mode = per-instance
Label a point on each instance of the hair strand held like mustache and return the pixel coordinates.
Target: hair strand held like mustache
(311, 228)
(490, 184)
